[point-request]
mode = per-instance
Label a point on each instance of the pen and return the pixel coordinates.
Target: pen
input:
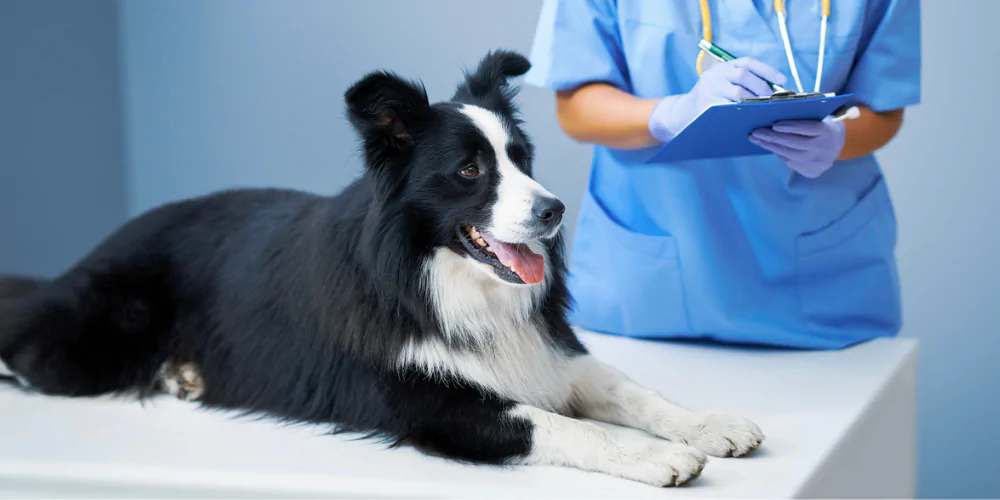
(723, 56)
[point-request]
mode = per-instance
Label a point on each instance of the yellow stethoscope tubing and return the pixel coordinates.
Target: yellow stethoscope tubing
(779, 8)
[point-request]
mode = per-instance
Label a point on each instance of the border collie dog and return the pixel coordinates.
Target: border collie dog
(425, 304)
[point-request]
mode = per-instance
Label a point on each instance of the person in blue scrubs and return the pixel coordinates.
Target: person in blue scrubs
(794, 248)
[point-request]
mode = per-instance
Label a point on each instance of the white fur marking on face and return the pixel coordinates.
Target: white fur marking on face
(516, 192)
(562, 441)
(509, 354)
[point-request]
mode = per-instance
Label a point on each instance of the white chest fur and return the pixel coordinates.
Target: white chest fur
(510, 356)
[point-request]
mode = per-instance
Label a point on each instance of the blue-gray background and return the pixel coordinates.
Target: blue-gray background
(108, 108)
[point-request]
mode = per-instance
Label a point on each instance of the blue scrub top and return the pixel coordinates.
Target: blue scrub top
(738, 250)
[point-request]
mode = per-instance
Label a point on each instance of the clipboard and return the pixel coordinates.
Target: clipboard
(722, 131)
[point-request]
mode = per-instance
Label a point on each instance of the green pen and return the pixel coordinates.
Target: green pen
(722, 56)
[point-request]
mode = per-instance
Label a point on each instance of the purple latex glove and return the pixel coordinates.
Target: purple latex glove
(723, 83)
(807, 146)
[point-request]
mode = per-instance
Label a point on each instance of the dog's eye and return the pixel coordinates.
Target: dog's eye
(470, 171)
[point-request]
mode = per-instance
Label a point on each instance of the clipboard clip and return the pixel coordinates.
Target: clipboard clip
(787, 95)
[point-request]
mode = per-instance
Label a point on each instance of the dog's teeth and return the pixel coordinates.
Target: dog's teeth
(480, 242)
(489, 250)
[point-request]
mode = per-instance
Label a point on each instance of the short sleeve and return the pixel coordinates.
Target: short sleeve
(886, 75)
(577, 42)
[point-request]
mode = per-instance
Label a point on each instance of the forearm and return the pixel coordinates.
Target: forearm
(598, 113)
(869, 132)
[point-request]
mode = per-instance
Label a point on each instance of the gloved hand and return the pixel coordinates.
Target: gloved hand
(807, 146)
(723, 83)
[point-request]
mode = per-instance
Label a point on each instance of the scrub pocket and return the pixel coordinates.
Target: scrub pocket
(847, 276)
(624, 282)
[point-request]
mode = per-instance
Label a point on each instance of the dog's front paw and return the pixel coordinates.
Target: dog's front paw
(662, 463)
(726, 436)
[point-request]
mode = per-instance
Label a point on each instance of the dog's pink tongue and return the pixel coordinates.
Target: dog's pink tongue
(519, 258)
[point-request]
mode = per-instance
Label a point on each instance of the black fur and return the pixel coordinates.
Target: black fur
(295, 305)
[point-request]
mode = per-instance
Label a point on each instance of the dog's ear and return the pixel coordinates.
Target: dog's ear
(385, 109)
(492, 76)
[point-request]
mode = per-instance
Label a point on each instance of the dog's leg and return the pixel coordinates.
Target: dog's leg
(605, 394)
(563, 441)
(84, 335)
(487, 430)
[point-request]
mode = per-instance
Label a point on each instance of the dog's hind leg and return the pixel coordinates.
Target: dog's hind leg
(14, 291)
(604, 394)
(88, 333)
(181, 380)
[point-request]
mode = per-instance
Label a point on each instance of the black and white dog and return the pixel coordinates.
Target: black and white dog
(425, 304)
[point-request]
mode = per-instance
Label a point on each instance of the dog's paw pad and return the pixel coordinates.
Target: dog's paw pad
(183, 381)
(727, 436)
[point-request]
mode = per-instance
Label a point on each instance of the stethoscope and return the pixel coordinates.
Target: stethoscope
(779, 8)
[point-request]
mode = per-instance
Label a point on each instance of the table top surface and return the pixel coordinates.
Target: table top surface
(805, 402)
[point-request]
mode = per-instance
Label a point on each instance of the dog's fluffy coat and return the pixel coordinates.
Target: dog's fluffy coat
(380, 310)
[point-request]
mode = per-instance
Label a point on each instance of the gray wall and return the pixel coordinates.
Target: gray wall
(224, 93)
(944, 176)
(227, 92)
(61, 169)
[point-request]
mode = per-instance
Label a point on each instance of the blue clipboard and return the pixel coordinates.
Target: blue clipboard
(722, 131)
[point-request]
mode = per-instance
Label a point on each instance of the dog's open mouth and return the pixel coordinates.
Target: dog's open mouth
(513, 262)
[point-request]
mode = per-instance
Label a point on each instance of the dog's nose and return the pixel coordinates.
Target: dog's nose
(548, 209)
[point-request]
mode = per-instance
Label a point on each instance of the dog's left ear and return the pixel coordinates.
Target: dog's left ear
(492, 76)
(385, 109)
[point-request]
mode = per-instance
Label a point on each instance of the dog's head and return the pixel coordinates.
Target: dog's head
(460, 169)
